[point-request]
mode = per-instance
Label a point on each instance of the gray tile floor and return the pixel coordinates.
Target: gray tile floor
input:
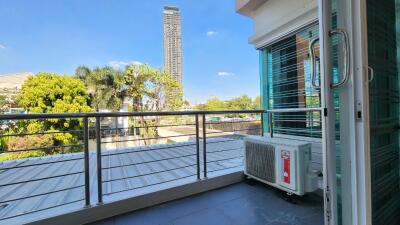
(238, 204)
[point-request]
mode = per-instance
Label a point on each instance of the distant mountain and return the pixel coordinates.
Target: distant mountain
(13, 81)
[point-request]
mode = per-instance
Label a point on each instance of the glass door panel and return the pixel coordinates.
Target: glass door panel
(343, 107)
(336, 89)
(383, 59)
(286, 70)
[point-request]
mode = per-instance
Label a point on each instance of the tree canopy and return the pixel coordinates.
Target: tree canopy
(240, 103)
(213, 103)
(3, 102)
(257, 103)
(152, 89)
(105, 86)
(149, 89)
(53, 93)
(243, 102)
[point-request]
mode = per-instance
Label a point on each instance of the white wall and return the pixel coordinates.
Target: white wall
(276, 18)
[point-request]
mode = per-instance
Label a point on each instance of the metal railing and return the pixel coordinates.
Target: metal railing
(271, 119)
(16, 174)
(194, 153)
(204, 142)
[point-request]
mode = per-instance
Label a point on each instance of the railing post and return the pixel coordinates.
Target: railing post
(262, 124)
(204, 146)
(197, 147)
(271, 125)
(86, 159)
(99, 167)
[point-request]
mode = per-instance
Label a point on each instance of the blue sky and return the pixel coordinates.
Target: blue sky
(59, 35)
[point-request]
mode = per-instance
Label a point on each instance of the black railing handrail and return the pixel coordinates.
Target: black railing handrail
(287, 110)
(29, 116)
(200, 155)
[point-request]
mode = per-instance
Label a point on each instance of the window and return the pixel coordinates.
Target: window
(286, 83)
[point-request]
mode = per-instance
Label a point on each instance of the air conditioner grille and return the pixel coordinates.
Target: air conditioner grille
(260, 161)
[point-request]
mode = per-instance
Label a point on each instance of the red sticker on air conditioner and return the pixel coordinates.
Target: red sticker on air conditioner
(285, 157)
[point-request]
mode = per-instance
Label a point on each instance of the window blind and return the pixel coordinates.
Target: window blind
(286, 84)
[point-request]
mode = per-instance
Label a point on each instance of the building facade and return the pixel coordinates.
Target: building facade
(341, 58)
(173, 43)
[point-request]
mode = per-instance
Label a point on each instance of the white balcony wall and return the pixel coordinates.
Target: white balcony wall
(276, 18)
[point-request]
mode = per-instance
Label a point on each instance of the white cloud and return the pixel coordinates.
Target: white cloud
(224, 73)
(121, 64)
(2, 46)
(211, 33)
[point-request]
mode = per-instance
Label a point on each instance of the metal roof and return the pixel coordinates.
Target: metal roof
(126, 173)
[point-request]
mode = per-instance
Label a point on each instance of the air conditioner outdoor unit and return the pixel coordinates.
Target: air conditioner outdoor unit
(282, 163)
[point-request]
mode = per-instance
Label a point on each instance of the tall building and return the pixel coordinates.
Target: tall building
(173, 42)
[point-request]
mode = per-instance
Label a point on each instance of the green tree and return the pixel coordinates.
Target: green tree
(186, 104)
(115, 90)
(105, 86)
(3, 103)
(168, 92)
(214, 103)
(257, 103)
(150, 88)
(201, 106)
(243, 102)
(53, 93)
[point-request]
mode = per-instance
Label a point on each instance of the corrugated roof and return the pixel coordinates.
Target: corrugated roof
(126, 173)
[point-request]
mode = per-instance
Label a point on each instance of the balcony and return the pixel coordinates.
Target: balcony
(111, 170)
(241, 203)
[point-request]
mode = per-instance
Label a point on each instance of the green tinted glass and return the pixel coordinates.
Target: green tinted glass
(286, 83)
(383, 57)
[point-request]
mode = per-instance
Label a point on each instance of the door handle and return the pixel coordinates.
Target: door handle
(346, 59)
(346, 76)
(313, 62)
(371, 74)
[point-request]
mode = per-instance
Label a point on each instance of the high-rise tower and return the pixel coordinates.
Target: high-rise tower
(173, 42)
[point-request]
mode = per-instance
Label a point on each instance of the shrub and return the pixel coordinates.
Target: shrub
(29, 142)
(35, 143)
(2, 144)
(20, 155)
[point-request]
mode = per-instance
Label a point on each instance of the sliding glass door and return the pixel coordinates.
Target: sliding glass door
(383, 60)
(361, 124)
(287, 83)
(337, 102)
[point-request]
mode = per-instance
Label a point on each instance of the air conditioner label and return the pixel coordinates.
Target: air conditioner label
(285, 157)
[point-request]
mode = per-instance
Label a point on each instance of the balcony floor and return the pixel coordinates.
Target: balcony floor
(238, 204)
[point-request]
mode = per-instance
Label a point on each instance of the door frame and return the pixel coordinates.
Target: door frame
(362, 164)
(356, 98)
(328, 156)
(356, 24)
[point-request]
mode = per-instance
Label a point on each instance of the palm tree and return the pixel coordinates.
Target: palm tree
(105, 85)
(106, 88)
(147, 87)
(94, 83)
(115, 91)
